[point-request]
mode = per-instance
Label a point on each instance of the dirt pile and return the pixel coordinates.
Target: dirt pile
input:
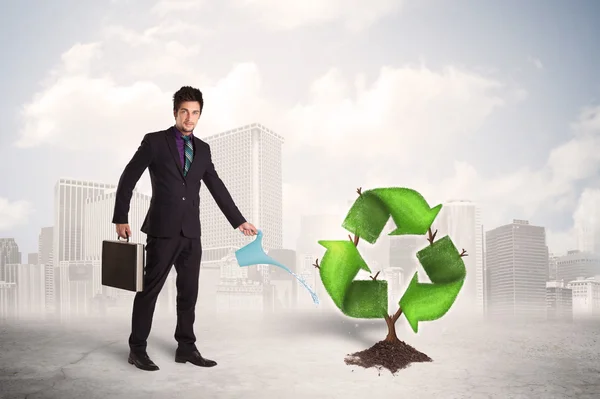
(393, 356)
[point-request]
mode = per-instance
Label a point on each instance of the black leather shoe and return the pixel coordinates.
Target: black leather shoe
(193, 357)
(142, 361)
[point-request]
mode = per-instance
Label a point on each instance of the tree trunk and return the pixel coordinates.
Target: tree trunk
(391, 335)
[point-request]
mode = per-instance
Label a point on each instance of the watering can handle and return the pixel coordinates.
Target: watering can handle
(258, 232)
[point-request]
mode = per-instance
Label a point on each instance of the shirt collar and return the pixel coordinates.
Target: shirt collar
(178, 134)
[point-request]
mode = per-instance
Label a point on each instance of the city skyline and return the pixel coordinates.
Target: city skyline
(589, 244)
(84, 207)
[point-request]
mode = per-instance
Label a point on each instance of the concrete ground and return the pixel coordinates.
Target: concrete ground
(298, 356)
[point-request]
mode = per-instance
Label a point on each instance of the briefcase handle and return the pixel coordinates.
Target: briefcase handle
(119, 238)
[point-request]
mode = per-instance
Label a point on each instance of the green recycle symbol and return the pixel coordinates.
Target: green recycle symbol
(366, 219)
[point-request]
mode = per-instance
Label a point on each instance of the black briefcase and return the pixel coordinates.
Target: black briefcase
(123, 265)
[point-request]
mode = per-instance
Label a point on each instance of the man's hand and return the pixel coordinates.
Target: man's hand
(248, 229)
(123, 230)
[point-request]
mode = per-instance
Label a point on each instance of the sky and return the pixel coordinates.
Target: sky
(495, 102)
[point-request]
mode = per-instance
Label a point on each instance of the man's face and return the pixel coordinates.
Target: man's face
(186, 117)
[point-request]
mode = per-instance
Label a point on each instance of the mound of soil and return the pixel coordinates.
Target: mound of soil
(393, 356)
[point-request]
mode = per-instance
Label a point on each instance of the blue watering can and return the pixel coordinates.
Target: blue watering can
(254, 254)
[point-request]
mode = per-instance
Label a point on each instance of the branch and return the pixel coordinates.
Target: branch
(397, 315)
(354, 240)
(394, 318)
(431, 236)
(375, 278)
(316, 264)
(359, 191)
(464, 253)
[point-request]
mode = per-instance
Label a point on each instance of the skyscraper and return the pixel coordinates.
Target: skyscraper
(461, 220)
(248, 160)
(45, 244)
(587, 223)
(45, 247)
(98, 215)
(9, 254)
(69, 217)
(68, 237)
(575, 264)
(29, 280)
(517, 266)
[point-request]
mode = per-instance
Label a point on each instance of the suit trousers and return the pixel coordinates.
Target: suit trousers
(162, 253)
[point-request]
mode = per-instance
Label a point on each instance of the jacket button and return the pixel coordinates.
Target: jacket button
(183, 198)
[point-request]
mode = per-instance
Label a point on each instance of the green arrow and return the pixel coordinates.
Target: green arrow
(365, 299)
(373, 208)
(429, 301)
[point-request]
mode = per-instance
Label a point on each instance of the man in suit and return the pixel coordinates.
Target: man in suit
(177, 162)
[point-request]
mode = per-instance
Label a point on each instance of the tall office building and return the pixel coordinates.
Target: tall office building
(486, 285)
(45, 244)
(586, 297)
(29, 280)
(45, 247)
(461, 220)
(587, 224)
(98, 224)
(552, 267)
(559, 300)
(576, 264)
(69, 223)
(403, 264)
(248, 160)
(69, 217)
(9, 254)
(8, 300)
(517, 265)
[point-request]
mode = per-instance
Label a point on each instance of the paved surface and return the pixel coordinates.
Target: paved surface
(298, 356)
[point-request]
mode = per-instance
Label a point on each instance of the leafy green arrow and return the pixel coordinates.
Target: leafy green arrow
(361, 298)
(368, 299)
(446, 270)
(373, 208)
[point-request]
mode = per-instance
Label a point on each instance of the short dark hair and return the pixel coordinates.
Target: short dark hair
(187, 93)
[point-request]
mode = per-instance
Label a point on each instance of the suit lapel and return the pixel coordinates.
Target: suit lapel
(173, 150)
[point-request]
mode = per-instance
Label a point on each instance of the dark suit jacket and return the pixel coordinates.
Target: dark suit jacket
(174, 207)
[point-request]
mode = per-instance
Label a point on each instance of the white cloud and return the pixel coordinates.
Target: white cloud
(78, 59)
(14, 213)
(585, 232)
(286, 15)
(165, 7)
(408, 113)
(401, 127)
(535, 62)
(80, 112)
